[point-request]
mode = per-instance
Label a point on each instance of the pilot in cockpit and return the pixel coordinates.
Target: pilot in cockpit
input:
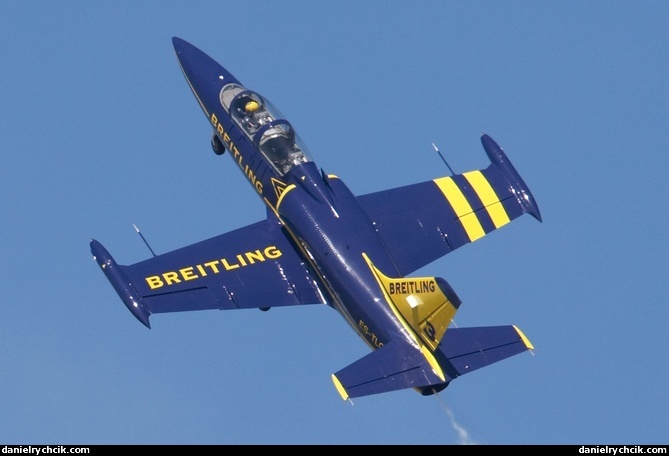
(251, 107)
(248, 114)
(254, 116)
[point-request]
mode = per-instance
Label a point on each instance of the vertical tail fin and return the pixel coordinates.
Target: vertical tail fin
(427, 304)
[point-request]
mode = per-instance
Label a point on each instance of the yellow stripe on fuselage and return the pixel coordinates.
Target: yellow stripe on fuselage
(283, 195)
(461, 207)
(488, 197)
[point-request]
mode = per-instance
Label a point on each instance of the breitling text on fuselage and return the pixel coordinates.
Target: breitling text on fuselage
(227, 142)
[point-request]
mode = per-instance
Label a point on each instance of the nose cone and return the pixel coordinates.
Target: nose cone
(205, 76)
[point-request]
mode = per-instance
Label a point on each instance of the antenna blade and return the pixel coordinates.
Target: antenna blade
(442, 157)
(145, 242)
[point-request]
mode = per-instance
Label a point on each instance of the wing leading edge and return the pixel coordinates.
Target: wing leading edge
(253, 267)
(420, 223)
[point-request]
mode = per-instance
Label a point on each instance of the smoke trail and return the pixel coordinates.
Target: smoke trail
(463, 434)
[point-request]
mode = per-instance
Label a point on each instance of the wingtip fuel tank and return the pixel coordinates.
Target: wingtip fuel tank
(120, 282)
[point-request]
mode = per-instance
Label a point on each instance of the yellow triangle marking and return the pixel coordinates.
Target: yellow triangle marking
(279, 187)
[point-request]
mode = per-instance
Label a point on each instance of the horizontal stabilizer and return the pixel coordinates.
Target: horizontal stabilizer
(468, 349)
(394, 366)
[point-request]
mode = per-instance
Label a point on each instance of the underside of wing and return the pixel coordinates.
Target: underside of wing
(420, 223)
(253, 267)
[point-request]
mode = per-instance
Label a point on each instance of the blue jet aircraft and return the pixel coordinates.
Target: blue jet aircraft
(321, 244)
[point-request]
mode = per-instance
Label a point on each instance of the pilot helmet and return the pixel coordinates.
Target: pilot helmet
(251, 106)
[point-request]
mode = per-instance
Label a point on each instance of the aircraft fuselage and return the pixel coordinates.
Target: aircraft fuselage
(337, 238)
(335, 232)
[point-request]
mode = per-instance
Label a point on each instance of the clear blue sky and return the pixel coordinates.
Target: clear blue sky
(99, 130)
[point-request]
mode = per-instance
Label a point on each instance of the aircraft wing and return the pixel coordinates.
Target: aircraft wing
(420, 223)
(253, 267)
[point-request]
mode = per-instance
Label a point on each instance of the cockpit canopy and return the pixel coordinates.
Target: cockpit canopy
(265, 126)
